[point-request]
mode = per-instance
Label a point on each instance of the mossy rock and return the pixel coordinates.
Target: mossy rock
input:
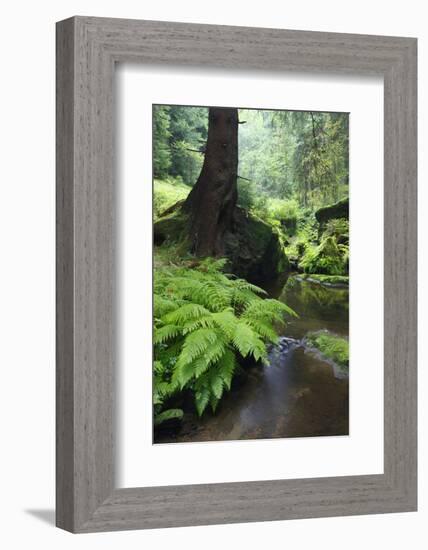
(326, 280)
(170, 228)
(338, 210)
(172, 209)
(326, 259)
(332, 347)
(254, 249)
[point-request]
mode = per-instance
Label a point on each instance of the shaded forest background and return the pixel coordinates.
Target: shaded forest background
(299, 158)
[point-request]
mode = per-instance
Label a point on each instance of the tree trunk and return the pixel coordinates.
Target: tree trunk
(212, 201)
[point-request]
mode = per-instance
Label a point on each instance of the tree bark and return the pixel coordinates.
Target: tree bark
(212, 201)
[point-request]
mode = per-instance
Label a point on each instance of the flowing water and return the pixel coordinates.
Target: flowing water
(297, 394)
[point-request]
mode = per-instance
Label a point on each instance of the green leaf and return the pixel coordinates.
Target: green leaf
(247, 341)
(163, 334)
(169, 414)
(162, 305)
(158, 368)
(201, 400)
(226, 367)
(213, 402)
(196, 343)
(217, 385)
(226, 320)
(185, 313)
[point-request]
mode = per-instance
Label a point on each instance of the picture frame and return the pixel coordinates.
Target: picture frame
(87, 50)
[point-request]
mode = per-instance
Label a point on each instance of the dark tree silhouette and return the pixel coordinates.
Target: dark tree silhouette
(212, 201)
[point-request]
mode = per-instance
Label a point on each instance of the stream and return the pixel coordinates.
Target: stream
(298, 394)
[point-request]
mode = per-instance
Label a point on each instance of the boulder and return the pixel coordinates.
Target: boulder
(254, 249)
(170, 228)
(338, 210)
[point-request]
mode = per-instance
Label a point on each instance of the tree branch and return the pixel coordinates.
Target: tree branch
(194, 150)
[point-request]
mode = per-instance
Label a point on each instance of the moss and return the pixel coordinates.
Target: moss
(328, 280)
(170, 228)
(339, 229)
(255, 249)
(166, 193)
(332, 347)
(328, 258)
(338, 210)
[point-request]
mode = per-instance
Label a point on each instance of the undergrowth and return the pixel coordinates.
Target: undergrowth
(166, 193)
(205, 322)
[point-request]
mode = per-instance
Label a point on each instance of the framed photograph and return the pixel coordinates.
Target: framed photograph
(236, 274)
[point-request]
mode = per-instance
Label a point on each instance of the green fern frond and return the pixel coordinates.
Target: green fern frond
(216, 383)
(226, 367)
(202, 322)
(213, 296)
(162, 305)
(268, 311)
(187, 312)
(247, 341)
(200, 366)
(242, 284)
(226, 320)
(183, 373)
(202, 398)
(158, 368)
(197, 343)
(213, 403)
(164, 389)
(243, 297)
(263, 329)
(169, 414)
(165, 333)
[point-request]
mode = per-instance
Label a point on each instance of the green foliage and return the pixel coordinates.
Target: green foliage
(179, 134)
(287, 155)
(205, 322)
(295, 155)
(321, 158)
(278, 212)
(247, 194)
(306, 236)
(161, 137)
(327, 258)
(168, 414)
(331, 346)
(166, 193)
(338, 228)
(266, 151)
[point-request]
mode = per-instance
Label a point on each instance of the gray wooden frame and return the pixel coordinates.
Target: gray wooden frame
(87, 50)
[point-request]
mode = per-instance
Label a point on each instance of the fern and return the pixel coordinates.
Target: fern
(205, 321)
(169, 414)
(167, 332)
(197, 343)
(187, 312)
(226, 367)
(202, 398)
